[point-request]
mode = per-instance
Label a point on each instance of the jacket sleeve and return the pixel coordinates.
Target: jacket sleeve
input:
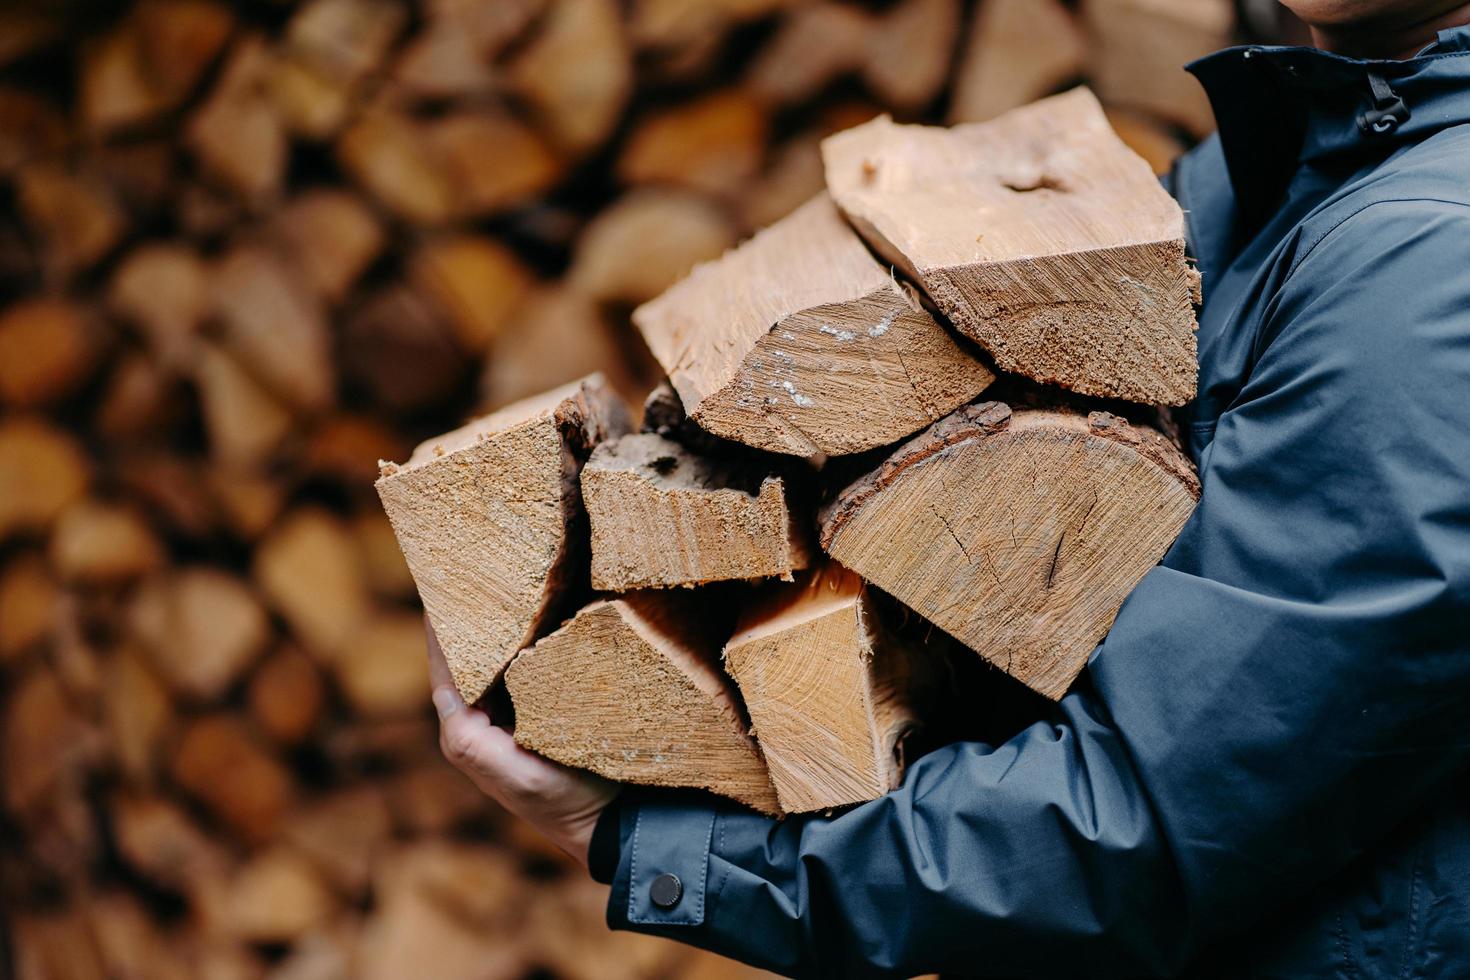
(1287, 686)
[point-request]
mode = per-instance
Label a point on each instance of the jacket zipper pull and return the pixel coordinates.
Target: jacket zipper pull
(1389, 111)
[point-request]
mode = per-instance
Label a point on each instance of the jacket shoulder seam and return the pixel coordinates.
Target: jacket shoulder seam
(1327, 233)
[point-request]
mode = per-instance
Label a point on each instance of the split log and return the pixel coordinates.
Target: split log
(45, 471)
(138, 713)
(163, 290)
(1147, 137)
(433, 799)
(1139, 49)
(442, 61)
(487, 518)
(577, 72)
(1041, 236)
(343, 833)
(799, 342)
(475, 281)
(331, 237)
(130, 940)
(275, 897)
(492, 160)
(1017, 52)
(645, 242)
(833, 694)
(815, 45)
(96, 543)
(275, 325)
(46, 746)
(159, 841)
(491, 27)
(30, 127)
(48, 348)
(382, 563)
(172, 488)
(237, 134)
(245, 423)
(389, 157)
(306, 568)
(248, 501)
(139, 401)
(793, 176)
(400, 351)
(910, 51)
(555, 336)
(1029, 571)
(202, 628)
(346, 449)
(713, 144)
(28, 597)
(286, 696)
(329, 47)
(384, 670)
(631, 689)
(75, 219)
(662, 516)
(224, 768)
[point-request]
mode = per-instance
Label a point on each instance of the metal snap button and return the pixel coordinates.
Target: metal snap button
(666, 890)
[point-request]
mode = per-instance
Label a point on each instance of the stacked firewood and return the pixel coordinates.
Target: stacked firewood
(249, 249)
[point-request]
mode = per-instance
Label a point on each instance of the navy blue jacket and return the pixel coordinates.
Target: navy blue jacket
(1263, 771)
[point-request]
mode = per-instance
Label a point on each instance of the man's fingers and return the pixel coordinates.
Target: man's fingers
(438, 669)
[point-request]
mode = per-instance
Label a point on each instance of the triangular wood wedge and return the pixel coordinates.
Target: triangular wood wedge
(631, 689)
(829, 688)
(799, 342)
(1040, 235)
(490, 521)
(1019, 533)
(662, 516)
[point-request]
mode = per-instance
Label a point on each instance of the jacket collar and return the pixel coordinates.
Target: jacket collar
(1279, 107)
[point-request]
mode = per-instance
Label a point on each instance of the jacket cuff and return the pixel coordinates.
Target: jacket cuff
(607, 844)
(662, 864)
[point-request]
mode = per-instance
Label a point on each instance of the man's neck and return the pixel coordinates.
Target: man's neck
(1384, 39)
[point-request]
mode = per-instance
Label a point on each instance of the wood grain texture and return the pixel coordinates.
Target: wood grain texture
(1019, 533)
(662, 516)
(487, 517)
(1041, 236)
(798, 342)
(829, 689)
(631, 689)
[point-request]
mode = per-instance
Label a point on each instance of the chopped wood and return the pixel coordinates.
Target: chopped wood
(56, 944)
(248, 500)
(576, 72)
(434, 799)
(329, 47)
(237, 134)
(28, 596)
(1147, 137)
(799, 342)
(555, 336)
(287, 696)
(815, 45)
(475, 281)
(129, 940)
(399, 350)
(490, 26)
(1017, 52)
(97, 543)
(442, 61)
(645, 242)
(25, 30)
(221, 765)
(910, 51)
(158, 840)
(45, 470)
(75, 219)
(662, 516)
(48, 348)
(1030, 573)
(713, 144)
(487, 518)
(492, 160)
(201, 627)
(275, 897)
(179, 41)
(830, 689)
(342, 834)
(793, 176)
(307, 569)
(162, 289)
(113, 87)
(137, 712)
(346, 449)
(30, 127)
(1139, 49)
(275, 325)
(46, 746)
(1041, 236)
(332, 237)
(171, 488)
(388, 155)
(382, 563)
(631, 689)
(140, 400)
(384, 671)
(245, 423)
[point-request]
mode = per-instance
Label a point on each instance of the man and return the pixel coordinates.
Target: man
(1264, 770)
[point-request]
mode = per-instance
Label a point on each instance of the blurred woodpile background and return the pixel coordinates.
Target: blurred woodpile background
(248, 249)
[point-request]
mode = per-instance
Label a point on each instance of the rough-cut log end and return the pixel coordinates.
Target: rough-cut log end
(631, 690)
(1041, 236)
(488, 517)
(662, 516)
(829, 690)
(798, 342)
(1019, 533)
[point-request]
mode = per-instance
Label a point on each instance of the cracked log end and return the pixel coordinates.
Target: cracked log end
(631, 689)
(1018, 532)
(487, 517)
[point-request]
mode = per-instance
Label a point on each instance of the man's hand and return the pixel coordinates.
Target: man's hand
(562, 803)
